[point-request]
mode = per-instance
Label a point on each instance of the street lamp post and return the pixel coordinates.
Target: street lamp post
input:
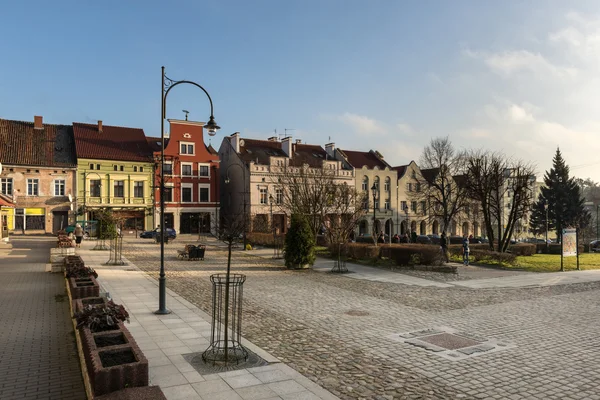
(212, 127)
(227, 180)
(271, 200)
(374, 190)
(597, 207)
(546, 210)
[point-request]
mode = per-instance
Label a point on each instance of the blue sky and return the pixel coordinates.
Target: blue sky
(516, 76)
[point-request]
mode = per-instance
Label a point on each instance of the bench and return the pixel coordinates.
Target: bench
(191, 252)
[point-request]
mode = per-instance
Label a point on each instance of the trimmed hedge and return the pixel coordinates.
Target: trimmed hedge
(416, 254)
(483, 256)
(523, 249)
(265, 239)
(357, 251)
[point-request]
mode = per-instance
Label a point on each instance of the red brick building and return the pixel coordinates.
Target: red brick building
(191, 179)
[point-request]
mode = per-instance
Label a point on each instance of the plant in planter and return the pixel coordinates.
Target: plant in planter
(80, 271)
(299, 244)
(99, 319)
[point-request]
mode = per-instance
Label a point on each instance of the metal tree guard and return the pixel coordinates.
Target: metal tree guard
(116, 249)
(340, 263)
(100, 240)
(225, 339)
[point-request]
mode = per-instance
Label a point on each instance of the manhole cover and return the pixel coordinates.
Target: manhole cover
(449, 341)
(357, 313)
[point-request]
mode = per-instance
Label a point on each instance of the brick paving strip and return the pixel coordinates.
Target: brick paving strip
(38, 355)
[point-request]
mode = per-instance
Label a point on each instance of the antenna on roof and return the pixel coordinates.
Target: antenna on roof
(186, 114)
(285, 134)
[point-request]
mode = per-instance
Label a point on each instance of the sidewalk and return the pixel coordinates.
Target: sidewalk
(38, 355)
(164, 339)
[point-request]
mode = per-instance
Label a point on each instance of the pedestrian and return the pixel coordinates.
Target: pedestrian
(465, 249)
(413, 237)
(381, 238)
(444, 246)
(396, 238)
(78, 232)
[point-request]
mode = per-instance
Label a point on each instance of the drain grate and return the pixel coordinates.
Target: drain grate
(449, 343)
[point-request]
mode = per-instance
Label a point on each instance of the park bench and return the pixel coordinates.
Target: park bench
(191, 252)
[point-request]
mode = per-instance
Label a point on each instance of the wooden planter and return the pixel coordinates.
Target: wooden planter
(84, 287)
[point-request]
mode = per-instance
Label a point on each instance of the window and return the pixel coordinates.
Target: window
(403, 205)
(91, 166)
(115, 167)
(186, 194)
(141, 169)
(424, 207)
(95, 188)
(134, 168)
(33, 187)
(365, 204)
(204, 194)
(386, 185)
(409, 187)
(203, 171)
(59, 187)
(376, 183)
(168, 169)
(6, 186)
(138, 189)
(186, 169)
(122, 168)
(413, 206)
(365, 184)
(279, 196)
(119, 189)
(98, 166)
(386, 205)
(417, 187)
(168, 193)
(263, 195)
(187, 148)
(376, 204)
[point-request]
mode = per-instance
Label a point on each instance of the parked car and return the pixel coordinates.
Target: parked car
(595, 246)
(423, 239)
(89, 229)
(171, 234)
(435, 239)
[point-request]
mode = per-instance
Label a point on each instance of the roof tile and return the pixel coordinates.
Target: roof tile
(113, 143)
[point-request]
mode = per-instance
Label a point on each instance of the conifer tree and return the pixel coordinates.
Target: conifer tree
(299, 243)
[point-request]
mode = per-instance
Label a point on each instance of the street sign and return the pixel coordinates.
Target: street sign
(569, 242)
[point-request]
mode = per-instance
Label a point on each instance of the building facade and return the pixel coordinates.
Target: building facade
(115, 172)
(38, 175)
(190, 178)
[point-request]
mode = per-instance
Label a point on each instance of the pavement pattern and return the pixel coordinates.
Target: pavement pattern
(338, 331)
(38, 354)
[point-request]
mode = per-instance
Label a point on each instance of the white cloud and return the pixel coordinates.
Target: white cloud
(508, 63)
(362, 125)
(405, 129)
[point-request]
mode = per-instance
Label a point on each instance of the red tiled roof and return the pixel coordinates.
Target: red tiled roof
(113, 143)
(6, 202)
(358, 159)
(310, 154)
(21, 144)
(154, 143)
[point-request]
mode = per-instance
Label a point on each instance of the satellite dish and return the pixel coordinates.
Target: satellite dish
(242, 142)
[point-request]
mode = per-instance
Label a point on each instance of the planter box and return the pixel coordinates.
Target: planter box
(116, 368)
(62, 251)
(79, 304)
(89, 341)
(73, 260)
(84, 287)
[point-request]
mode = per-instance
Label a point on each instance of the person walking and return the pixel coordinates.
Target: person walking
(465, 248)
(444, 246)
(78, 232)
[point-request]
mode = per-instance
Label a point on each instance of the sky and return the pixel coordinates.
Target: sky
(521, 77)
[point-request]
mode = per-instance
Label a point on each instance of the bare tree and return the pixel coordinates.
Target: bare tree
(490, 179)
(439, 183)
(344, 210)
(307, 191)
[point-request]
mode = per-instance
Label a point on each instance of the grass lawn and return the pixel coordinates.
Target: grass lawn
(551, 262)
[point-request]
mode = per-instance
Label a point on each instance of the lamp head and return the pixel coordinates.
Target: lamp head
(212, 126)
(227, 180)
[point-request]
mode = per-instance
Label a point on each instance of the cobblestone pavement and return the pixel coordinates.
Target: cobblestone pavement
(38, 355)
(337, 331)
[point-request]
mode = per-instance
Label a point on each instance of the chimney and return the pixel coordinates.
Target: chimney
(286, 146)
(272, 139)
(235, 141)
(100, 126)
(38, 122)
(330, 149)
(298, 141)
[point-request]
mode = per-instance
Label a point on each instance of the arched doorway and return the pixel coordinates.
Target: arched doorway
(362, 228)
(475, 228)
(389, 227)
(403, 229)
(465, 228)
(423, 228)
(435, 227)
(413, 226)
